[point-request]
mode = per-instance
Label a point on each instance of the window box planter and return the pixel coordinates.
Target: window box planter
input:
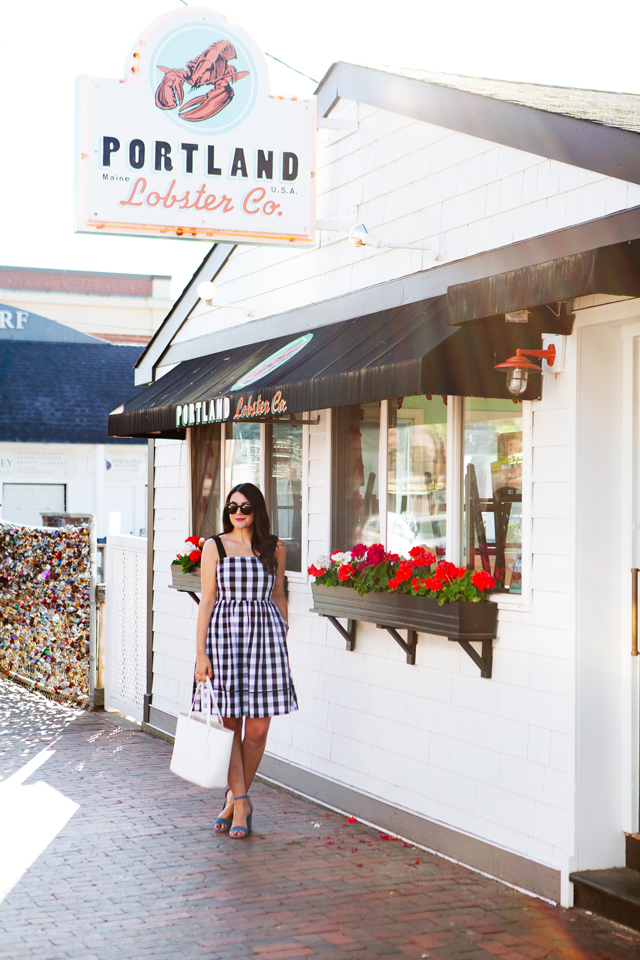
(461, 622)
(186, 582)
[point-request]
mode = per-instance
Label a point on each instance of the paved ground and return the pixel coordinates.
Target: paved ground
(104, 854)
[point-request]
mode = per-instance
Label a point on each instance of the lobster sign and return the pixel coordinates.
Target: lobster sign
(212, 69)
(191, 143)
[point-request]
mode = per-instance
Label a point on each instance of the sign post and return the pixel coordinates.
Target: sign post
(190, 143)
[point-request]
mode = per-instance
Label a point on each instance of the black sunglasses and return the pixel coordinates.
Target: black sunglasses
(245, 508)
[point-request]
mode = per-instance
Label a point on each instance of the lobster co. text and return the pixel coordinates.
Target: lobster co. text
(260, 407)
(251, 202)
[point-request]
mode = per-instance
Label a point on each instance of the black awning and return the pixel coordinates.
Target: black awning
(400, 352)
(613, 270)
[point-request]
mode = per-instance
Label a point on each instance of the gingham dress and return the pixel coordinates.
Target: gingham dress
(247, 642)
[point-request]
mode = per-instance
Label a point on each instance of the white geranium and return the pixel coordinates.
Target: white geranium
(339, 558)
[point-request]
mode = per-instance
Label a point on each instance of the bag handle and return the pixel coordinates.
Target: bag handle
(206, 697)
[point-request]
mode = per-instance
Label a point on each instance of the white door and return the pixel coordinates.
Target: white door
(25, 502)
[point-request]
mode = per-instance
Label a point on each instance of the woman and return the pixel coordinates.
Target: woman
(241, 641)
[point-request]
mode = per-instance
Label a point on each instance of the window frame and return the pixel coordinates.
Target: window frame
(516, 602)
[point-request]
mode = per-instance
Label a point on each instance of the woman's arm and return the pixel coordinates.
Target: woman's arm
(208, 566)
(278, 596)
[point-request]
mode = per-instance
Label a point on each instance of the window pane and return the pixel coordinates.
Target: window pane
(417, 474)
(493, 490)
(356, 445)
(284, 488)
(242, 454)
(205, 480)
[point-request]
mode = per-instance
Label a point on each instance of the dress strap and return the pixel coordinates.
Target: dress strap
(221, 550)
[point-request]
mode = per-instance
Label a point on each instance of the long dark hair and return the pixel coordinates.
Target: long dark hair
(263, 543)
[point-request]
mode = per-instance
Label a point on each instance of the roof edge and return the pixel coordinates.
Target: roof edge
(86, 273)
(611, 151)
(209, 269)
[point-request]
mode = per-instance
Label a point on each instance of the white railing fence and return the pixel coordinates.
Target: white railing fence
(126, 624)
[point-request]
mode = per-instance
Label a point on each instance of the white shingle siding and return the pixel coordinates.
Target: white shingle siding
(409, 182)
(174, 614)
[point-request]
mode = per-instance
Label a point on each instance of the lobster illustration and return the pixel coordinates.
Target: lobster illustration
(210, 68)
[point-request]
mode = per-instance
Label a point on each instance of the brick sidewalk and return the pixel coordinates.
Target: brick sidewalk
(137, 871)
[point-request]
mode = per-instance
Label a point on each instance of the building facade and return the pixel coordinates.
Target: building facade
(57, 388)
(118, 308)
(404, 433)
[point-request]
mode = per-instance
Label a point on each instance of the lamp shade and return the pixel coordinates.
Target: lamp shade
(520, 363)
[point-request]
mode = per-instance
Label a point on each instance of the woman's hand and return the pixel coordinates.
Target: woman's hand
(203, 667)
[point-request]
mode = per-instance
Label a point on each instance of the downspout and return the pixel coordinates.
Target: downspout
(151, 495)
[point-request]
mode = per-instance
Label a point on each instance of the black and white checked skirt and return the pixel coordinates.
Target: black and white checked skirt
(247, 643)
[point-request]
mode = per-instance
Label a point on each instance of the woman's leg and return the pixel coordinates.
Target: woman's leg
(236, 766)
(253, 744)
(256, 730)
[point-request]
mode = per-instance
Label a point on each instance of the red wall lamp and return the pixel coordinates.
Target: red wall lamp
(518, 368)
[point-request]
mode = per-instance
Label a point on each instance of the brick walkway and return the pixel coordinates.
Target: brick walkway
(119, 860)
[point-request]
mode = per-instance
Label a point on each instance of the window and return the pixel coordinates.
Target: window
(356, 458)
(398, 446)
(205, 480)
(417, 474)
(493, 490)
(283, 481)
(397, 450)
(268, 455)
(242, 455)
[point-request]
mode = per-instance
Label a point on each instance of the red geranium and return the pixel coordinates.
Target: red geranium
(423, 573)
(375, 555)
(421, 557)
(195, 556)
(446, 570)
(194, 540)
(405, 571)
(482, 580)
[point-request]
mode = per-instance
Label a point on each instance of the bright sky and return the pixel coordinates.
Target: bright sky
(44, 45)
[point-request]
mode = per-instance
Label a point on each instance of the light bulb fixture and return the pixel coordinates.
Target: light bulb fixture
(207, 291)
(360, 237)
(518, 368)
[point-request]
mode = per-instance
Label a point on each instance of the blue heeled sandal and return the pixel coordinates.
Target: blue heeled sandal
(222, 824)
(245, 830)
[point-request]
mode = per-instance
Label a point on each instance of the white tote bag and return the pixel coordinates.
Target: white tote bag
(202, 748)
